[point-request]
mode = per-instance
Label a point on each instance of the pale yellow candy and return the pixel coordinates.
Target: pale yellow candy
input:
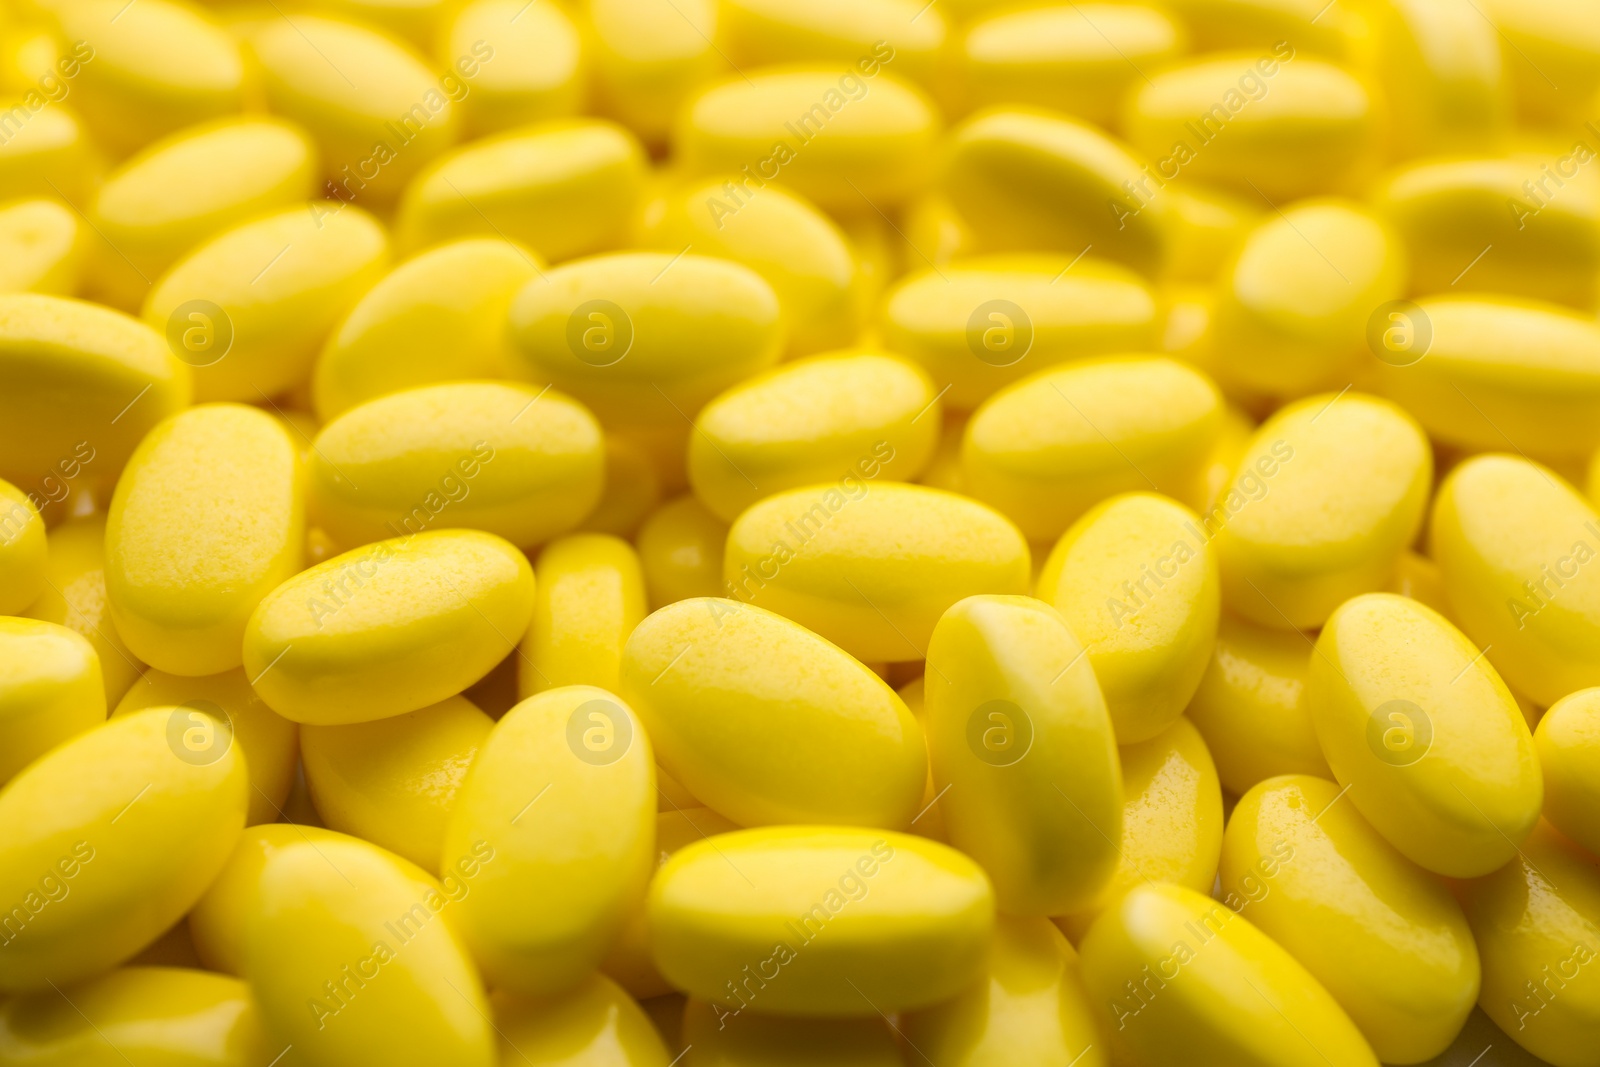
(854, 413)
(711, 1038)
(1515, 544)
(648, 57)
(1208, 226)
(1260, 24)
(416, 22)
(50, 690)
(870, 566)
(680, 549)
(632, 490)
(50, 154)
(1423, 733)
(43, 248)
(1443, 75)
(207, 519)
(75, 597)
(563, 791)
(1329, 493)
(1178, 978)
(1568, 741)
(1554, 46)
(849, 135)
(1386, 939)
(903, 36)
(269, 742)
(1136, 580)
(1053, 310)
(596, 1022)
(588, 597)
(1016, 725)
(564, 188)
(24, 553)
(1047, 449)
(775, 920)
(388, 628)
(536, 72)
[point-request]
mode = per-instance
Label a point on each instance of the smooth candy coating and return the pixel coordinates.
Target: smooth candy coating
(1219, 24)
(902, 36)
(43, 248)
(114, 836)
(1016, 724)
(50, 690)
(1443, 77)
(519, 462)
(536, 72)
(566, 878)
(680, 549)
(51, 155)
(712, 1036)
(206, 520)
(710, 676)
(1514, 542)
(388, 628)
(832, 416)
(1328, 494)
(75, 597)
(1556, 43)
(647, 58)
(1568, 742)
(857, 922)
(1386, 939)
(1208, 987)
(1393, 682)
(588, 597)
(23, 550)
(595, 1023)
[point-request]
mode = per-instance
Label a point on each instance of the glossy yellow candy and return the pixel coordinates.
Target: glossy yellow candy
(1424, 734)
(564, 188)
(535, 72)
(1178, 978)
(388, 628)
(269, 742)
(596, 1022)
(1019, 735)
(122, 836)
(563, 791)
(189, 187)
(633, 485)
(711, 1039)
(974, 342)
(519, 462)
(75, 597)
(1443, 75)
(648, 56)
(776, 920)
(588, 597)
(680, 549)
(1047, 449)
(1568, 742)
(23, 551)
(1554, 47)
(350, 957)
(51, 154)
(1386, 939)
(43, 248)
(1516, 545)
(207, 519)
(1328, 494)
(50, 690)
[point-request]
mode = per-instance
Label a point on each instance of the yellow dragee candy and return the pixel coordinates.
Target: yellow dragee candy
(1219, 24)
(1537, 923)
(123, 834)
(535, 73)
(1386, 939)
(709, 677)
(219, 711)
(350, 956)
(680, 549)
(52, 154)
(563, 791)
(414, 21)
(519, 462)
(24, 551)
(206, 520)
(1568, 741)
(1392, 682)
(43, 248)
(1178, 978)
(710, 1039)
(1443, 77)
(50, 690)
(973, 341)
(596, 1021)
(1208, 226)
(388, 628)
(154, 1015)
(588, 597)
(1328, 494)
(904, 37)
(819, 921)
(812, 421)
(1555, 43)
(1017, 726)
(1047, 449)
(648, 57)
(75, 597)
(1516, 545)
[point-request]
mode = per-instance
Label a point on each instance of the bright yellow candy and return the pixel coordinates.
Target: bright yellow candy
(269, 742)
(43, 248)
(50, 690)
(519, 462)
(563, 791)
(1208, 226)
(1054, 311)
(633, 485)
(594, 1023)
(1443, 75)
(351, 958)
(904, 37)
(1219, 24)
(1328, 495)
(1047, 449)
(588, 597)
(1553, 57)
(1568, 742)
(648, 57)
(536, 70)
(820, 921)
(1178, 978)
(155, 1016)
(680, 549)
(868, 566)
(564, 188)
(711, 1039)
(1393, 682)
(207, 519)
(416, 22)
(123, 834)
(1014, 730)
(1386, 939)
(75, 597)
(850, 135)
(388, 628)
(23, 551)
(50, 155)
(1514, 542)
